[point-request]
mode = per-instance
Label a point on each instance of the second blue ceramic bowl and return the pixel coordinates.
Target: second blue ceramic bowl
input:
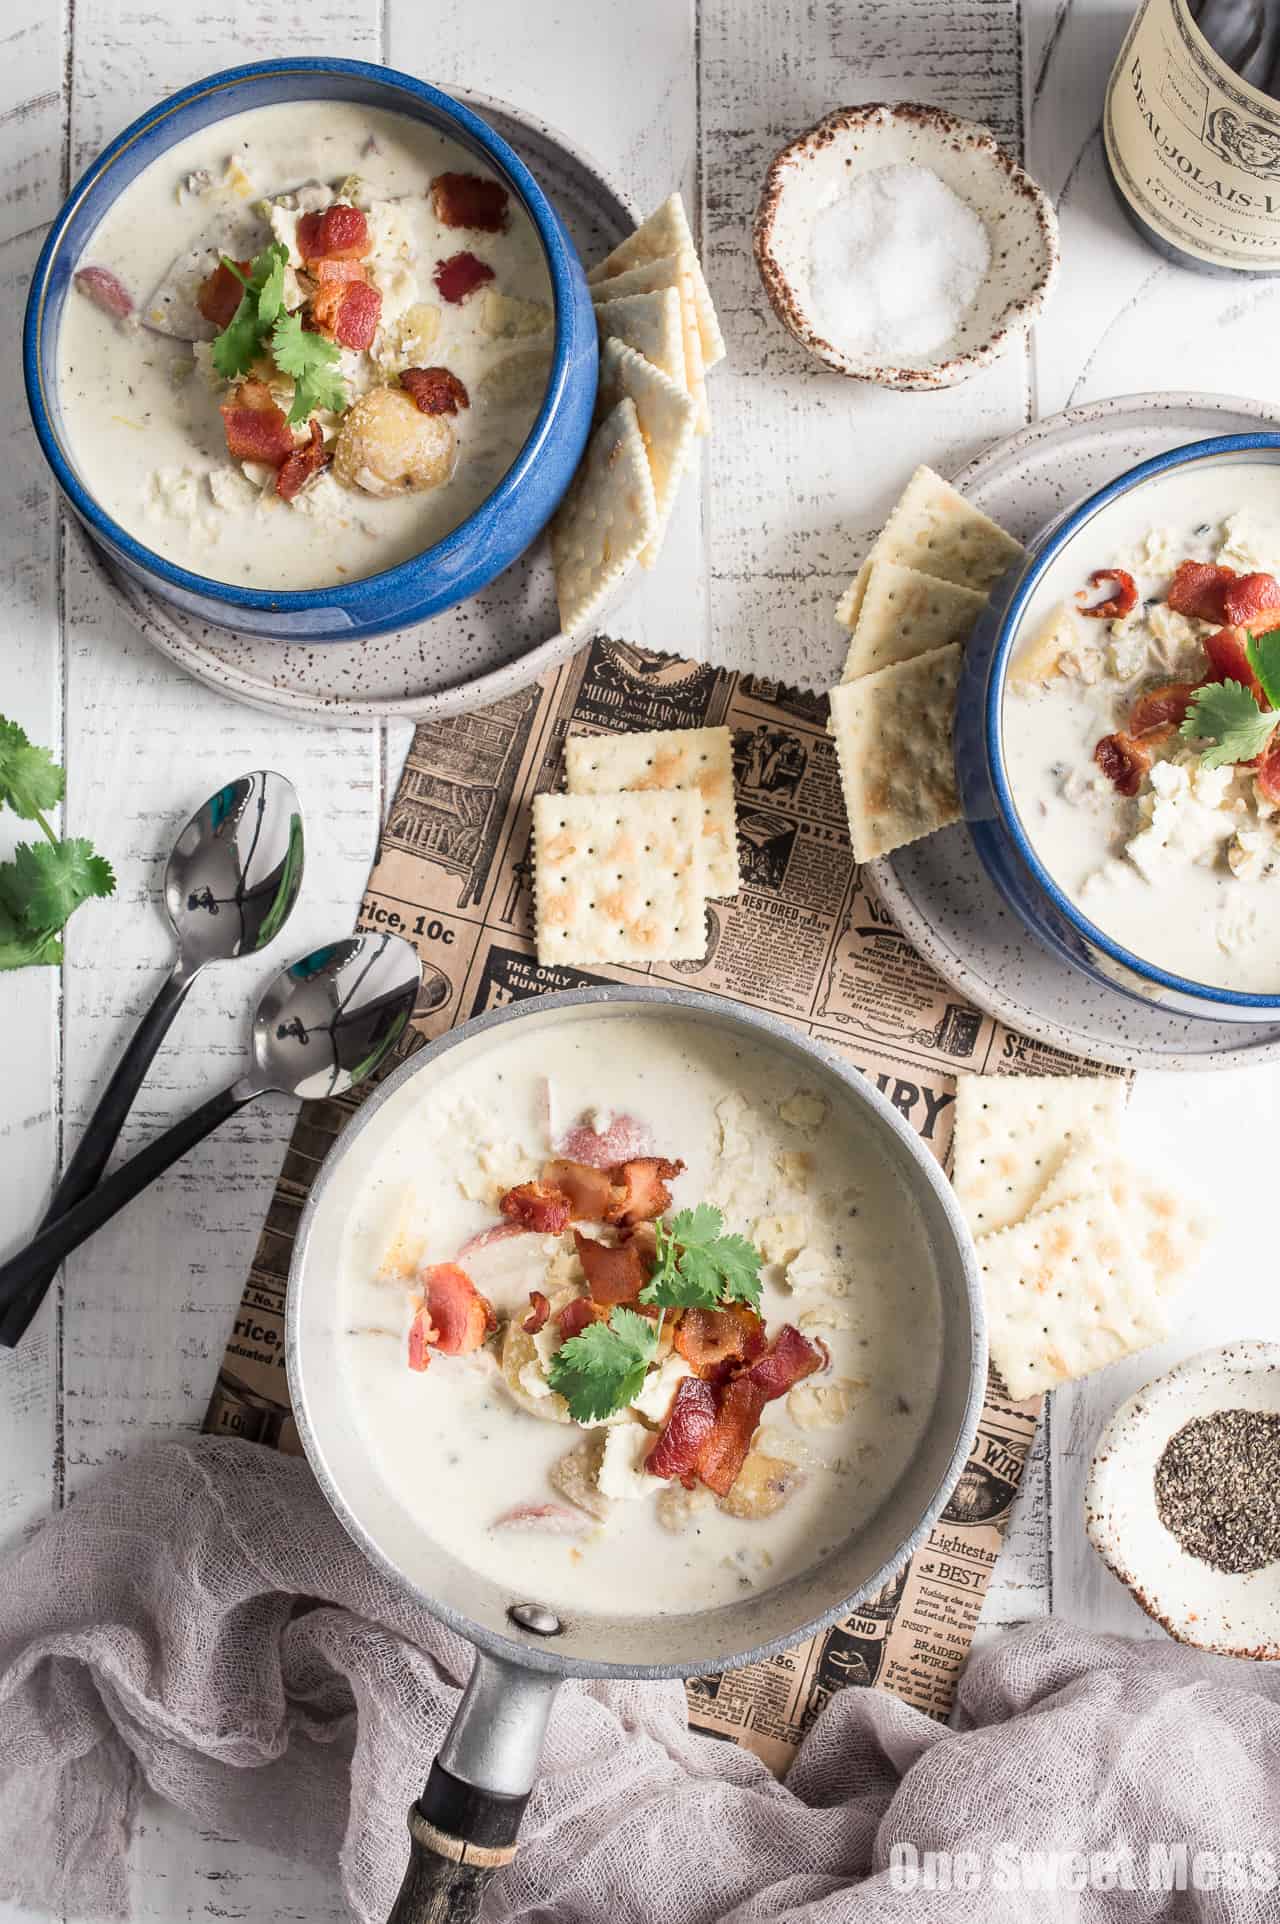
(476, 551)
(1002, 843)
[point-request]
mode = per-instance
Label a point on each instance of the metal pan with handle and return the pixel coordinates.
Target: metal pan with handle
(464, 1827)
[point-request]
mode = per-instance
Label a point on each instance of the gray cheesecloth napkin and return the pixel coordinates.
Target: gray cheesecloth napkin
(198, 1622)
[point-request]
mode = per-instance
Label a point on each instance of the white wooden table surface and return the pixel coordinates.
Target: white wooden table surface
(695, 92)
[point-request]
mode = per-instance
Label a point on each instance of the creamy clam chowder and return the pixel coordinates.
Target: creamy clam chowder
(351, 404)
(1138, 732)
(749, 1441)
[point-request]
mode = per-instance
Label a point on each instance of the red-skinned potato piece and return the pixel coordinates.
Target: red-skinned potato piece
(106, 290)
(256, 429)
(615, 1273)
(712, 1341)
(640, 1189)
(341, 232)
(220, 294)
(686, 1432)
(435, 390)
(461, 1315)
(422, 1334)
(467, 200)
(297, 468)
(540, 1206)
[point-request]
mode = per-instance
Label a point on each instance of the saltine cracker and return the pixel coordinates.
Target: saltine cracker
(892, 732)
(1013, 1134)
(933, 528)
(651, 324)
(667, 231)
(619, 878)
(606, 519)
(697, 759)
(906, 613)
(665, 414)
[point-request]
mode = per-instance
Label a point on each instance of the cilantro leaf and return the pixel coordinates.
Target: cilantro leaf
(603, 1369)
(1263, 652)
(244, 337)
(47, 881)
(30, 779)
(314, 364)
(698, 1266)
(1225, 714)
(20, 947)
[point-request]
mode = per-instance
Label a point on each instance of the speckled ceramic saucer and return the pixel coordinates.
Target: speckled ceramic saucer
(472, 654)
(938, 891)
(1235, 1613)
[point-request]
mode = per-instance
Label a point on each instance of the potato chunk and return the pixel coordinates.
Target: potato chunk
(386, 446)
(761, 1487)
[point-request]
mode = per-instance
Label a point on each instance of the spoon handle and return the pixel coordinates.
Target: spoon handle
(102, 1131)
(25, 1277)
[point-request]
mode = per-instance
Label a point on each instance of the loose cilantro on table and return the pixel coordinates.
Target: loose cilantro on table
(699, 1266)
(260, 326)
(603, 1369)
(313, 363)
(1227, 716)
(45, 882)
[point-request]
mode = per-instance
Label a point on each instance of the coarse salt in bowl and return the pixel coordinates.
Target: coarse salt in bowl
(903, 246)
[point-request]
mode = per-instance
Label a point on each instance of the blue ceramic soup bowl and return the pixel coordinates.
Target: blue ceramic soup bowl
(990, 806)
(504, 524)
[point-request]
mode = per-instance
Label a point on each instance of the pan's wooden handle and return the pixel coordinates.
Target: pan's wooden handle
(459, 1837)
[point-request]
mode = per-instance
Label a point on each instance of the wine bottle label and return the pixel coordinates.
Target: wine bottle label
(1194, 149)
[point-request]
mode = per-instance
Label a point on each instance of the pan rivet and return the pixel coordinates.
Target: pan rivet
(535, 1617)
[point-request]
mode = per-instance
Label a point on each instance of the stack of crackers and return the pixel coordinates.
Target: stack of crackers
(911, 607)
(658, 336)
(625, 861)
(1080, 1253)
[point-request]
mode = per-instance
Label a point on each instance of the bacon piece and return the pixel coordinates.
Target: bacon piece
(347, 311)
(615, 1274)
(1155, 715)
(624, 1140)
(106, 290)
(539, 1311)
(1228, 660)
(435, 390)
(713, 1340)
(574, 1317)
(786, 1362)
(553, 1519)
(1123, 761)
(1248, 597)
(640, 1189)
(1198, 589)
(690, 1423)
(341, 232)
(537, 1205)
(465, 200)
(461, 1315)
(297, 468)
(1267, 773)
(255, 427)
(327, 272)
(460, 275)
(590, 1192)
(1122, 602)
(422, 1334)
(220, 294)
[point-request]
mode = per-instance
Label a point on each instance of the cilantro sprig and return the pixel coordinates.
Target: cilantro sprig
(260, 326)
(1263, 652)
(603, 1369)
(1227, 716)
(699, 1266)
(45, 882)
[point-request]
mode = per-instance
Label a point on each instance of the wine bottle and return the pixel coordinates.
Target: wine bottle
(1191, 132)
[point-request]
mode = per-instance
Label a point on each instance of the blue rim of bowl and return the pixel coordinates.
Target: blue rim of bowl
(556, 253)
(994, 718)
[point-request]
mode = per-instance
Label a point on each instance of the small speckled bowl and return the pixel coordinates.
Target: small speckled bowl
(1020, 221)
(1232, 1615)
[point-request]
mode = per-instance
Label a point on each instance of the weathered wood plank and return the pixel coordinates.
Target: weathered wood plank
(32, 43)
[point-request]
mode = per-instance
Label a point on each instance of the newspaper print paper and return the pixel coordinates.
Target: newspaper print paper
(804, 938)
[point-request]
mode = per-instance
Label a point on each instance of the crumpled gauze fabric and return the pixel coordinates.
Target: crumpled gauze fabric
(198, 1621)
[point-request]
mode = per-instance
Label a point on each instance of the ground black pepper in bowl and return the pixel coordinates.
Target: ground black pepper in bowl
(1218, 1488)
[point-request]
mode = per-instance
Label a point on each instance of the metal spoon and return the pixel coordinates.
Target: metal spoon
(229, 888)
(323, 1025)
